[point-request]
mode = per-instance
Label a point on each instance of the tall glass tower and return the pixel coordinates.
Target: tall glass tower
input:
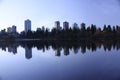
(27, 25)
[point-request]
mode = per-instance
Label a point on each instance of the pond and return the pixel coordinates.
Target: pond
(23, 61)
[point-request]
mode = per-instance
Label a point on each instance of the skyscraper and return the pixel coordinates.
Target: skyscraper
(11, 29)
(82, 26)
(27, 25)
(65, 25)
(57, 25)
(14, 29)
(75, 26)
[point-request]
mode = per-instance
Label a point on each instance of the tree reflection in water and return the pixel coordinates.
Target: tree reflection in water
(58, 46)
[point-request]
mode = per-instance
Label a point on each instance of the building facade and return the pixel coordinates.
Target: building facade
(75, 26)
(82, 26)
(57, 25)
(11, 29)
(65, 25)
(14, 29)
(3, 31)
(27, 25)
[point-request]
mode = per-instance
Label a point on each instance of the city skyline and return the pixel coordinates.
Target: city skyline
(88, 11)
(57, 25)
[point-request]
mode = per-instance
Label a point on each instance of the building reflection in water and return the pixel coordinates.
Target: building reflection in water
(58, 51)
(83, 49)
(60, 47)
(28, 52)
(12, 48)
(4, 48)
(76, 50)
(66, 51)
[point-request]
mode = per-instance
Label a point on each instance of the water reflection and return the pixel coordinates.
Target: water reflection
(64, 46)
(28, 52)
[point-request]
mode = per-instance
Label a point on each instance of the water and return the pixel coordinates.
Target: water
(48, 62)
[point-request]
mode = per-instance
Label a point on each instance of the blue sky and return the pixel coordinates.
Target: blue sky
(45, 12)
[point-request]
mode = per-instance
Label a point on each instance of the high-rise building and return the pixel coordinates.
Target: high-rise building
(57, 25)
(82, 26)
(38, 29)
(75, 26)
(27, 25)
(3, 31)
(65, 25)
(13, 29)
(9, 30)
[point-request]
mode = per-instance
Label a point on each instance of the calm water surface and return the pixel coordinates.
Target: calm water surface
(59, 64)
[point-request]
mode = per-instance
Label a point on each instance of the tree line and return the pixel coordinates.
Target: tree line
(82, 45)
(90, 32)
(74, 33)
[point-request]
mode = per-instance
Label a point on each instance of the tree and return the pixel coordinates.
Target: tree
(29, 34)
(83, 27)
(114, 30)
(104, 28)
(93, 28)
(109, 29)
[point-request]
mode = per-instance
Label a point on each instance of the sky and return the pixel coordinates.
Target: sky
(46, 12)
